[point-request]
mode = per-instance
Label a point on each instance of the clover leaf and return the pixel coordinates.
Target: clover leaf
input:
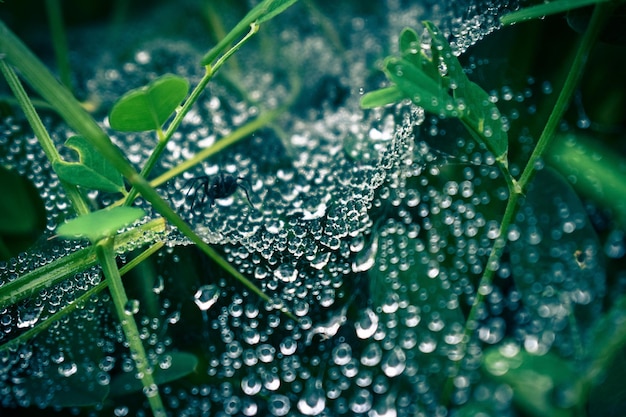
(147, 108)
(93, 171)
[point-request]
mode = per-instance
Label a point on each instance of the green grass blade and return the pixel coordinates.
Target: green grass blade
(262, 12)
(546, 9)
(50, 274)
(382, 97)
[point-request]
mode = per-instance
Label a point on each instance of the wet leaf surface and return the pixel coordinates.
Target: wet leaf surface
(147, 108)
(92, 172)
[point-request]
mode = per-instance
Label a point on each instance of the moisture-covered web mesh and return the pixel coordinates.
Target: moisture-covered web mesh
(351, 220)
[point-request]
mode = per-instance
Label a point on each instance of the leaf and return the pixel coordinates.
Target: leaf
(545, 9)
(544, 386)
(409, 42)
(608, 398)
(382, 97)
(93, 171)
(147, 108)
(483, 119)
(607, 340)
(181, 365)
(556, 258)
(419, 87)
(99, 224)
(595, 171)
(22, 213)
(272, 8)
(434, 79)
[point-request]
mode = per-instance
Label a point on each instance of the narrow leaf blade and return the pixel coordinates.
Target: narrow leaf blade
(546, 9)
(382, 97)
(272, 8)
(101, 223)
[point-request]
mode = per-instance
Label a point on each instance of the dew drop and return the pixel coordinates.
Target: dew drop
(131, 307)
(313, 400)
(394, 363)
(206, 296)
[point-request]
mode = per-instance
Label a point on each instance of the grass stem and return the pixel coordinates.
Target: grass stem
(78, 202)
(106, 256)
(59, 41)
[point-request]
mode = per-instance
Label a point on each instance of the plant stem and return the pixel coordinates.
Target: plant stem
(162, 143)
(577, 67)
(78, 202)
(180, 114)
(59, 41)
(600, 14)
(106, 256)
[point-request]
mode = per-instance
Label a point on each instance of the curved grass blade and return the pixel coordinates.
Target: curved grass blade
(546, 9)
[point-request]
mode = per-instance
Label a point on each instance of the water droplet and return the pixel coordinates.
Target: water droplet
(206, 296)
(131, 307)
(313, 400)
(67, 369)
(367, 324)
(372, 355)
(279, 405)
(286, 273)
(395, 362)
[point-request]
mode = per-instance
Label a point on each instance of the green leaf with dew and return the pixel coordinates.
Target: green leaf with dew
(434, 79)
(382, 97)
(148, 107)
(99, 224)
(543, 385)
(545, 9)
(177, 365)
(419, 87)
(92, 171)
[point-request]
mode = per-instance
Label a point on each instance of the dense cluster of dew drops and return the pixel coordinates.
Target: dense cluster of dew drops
(351, 226)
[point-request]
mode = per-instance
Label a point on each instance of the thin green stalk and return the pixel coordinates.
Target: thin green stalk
(67, 106)
(180, 114)
(59, 41)
(600, 14)
(576, 70)
(223, 143)
(40, 327)
(78, 202)
(106, 256)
